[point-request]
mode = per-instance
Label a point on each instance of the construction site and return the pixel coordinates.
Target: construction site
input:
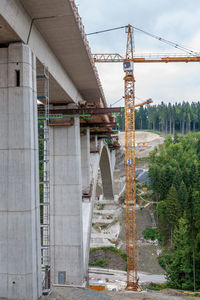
(81, 190)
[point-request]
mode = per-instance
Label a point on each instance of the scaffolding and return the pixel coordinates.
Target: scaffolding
(44, 169)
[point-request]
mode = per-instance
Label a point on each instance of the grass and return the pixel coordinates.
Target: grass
(111, 249)
(162, 286)
(101, 206)
(151, 234)
(122, 198)
(104, 226)
(154, 131)
(100, 262)
(158, 286)
(142, 159)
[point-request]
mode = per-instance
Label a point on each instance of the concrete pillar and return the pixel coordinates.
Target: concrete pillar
(20, 272)
(106, 174)
(66, 205)
(85, 161)
(113, 159)
(94, 144)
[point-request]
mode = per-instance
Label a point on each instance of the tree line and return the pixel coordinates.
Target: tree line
(174, 172)
(166, 118)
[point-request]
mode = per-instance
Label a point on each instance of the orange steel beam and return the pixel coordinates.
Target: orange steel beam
(143, 103)
(99, 58)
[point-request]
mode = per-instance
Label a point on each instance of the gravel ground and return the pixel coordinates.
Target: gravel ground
(75, 294)
(68, 293)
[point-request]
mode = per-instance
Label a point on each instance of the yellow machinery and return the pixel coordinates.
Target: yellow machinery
(129, 85)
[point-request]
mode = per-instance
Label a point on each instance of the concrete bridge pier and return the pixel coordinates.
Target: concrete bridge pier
(85, 161)
(20, 272)
(106, 174)
(67, 264)
(94, 144)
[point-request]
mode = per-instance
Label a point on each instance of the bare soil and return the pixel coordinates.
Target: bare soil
(147, 256)
(150, 139)
(141, 137)
(113, 260)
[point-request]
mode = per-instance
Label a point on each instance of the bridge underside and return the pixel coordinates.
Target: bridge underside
(53, 31)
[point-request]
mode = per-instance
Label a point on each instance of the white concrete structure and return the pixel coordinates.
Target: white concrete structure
(88, 204)
(66, 204)
(19, 178)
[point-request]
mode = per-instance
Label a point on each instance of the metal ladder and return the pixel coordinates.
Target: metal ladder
(44, 169)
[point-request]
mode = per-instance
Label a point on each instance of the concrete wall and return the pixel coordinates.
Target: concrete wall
(66, 204)
(20, 276)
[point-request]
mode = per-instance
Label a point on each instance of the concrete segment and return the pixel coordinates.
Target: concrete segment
(20, 276)
(66, 204)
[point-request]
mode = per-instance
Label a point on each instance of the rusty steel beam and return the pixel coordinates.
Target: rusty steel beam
(101, 125)
(106, 133)
(80, 111)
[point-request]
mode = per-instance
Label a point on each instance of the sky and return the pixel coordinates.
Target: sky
(174, 20)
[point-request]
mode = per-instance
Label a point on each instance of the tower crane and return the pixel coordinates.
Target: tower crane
(129, 107)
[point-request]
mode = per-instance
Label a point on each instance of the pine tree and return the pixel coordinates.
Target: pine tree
(182, 196)
(173, 209)
(180, 272)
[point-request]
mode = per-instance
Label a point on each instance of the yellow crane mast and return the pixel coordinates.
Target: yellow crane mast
(129, 86)
(129, 107)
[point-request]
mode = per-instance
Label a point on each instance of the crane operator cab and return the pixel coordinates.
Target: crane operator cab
(128, 66)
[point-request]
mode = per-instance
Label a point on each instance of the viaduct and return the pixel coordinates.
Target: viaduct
(47, 37)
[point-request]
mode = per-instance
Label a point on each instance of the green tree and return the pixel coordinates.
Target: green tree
(161, 213)
(173, 209)
(180, 271)
(182, 196)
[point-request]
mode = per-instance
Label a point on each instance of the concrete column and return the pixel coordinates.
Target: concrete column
(106, 174)
(20, 272)
(85, 161)
(113, 159)
(66, 205)
(94, 144)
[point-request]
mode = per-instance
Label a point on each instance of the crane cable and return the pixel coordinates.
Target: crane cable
(116, 101)
(106, 30)
(175, 45)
